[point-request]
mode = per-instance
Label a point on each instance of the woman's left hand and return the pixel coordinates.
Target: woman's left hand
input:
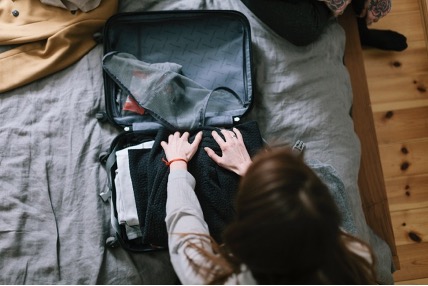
(235, 156)
(178, 147)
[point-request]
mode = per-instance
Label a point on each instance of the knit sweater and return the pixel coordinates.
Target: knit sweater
(215, 190)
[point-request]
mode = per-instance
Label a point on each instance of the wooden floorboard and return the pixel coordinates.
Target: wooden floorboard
(393, 124)
(412, 61)
(423, 281)
(402, 90)
(398, 84)
(410, 226)
(407, 192)
(404, 158)
(413, 261)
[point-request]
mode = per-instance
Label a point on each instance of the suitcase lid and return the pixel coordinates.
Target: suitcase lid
(178, 69)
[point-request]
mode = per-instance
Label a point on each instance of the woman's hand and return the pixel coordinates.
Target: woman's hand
(235, 156)
(178, 147)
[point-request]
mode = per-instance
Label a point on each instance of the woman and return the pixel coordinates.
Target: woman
(286, 230)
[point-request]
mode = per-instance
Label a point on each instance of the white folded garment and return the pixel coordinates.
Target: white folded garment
(125, 200)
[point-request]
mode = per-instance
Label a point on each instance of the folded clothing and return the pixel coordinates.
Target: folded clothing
(216, 187)
(125, 200)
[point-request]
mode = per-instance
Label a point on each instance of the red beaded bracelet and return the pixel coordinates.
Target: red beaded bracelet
(173, 160)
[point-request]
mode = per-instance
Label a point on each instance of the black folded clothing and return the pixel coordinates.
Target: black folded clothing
(216, 187)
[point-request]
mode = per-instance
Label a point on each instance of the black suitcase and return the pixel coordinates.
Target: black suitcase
(166, 71)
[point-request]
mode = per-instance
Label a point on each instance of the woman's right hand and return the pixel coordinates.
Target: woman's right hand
(178, 147)
(235, 156)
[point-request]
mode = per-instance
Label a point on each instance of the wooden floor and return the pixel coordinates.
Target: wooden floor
(398, 83)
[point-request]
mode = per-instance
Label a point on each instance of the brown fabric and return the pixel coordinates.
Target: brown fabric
(49, 38)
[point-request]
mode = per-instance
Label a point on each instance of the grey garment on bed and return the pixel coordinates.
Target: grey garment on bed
(172, 98)
(329, 177)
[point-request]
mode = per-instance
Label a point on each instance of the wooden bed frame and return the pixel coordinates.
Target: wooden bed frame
(424, 8)
(371, 180)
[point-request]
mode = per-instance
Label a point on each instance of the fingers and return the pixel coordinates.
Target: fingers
(196, 142)
(238, 134)
(228, 134)
(173, 137)
(210, 152)
(163, 144)
(185, 136)
(218, 138)
(231, 139)
(177, 136)
(198, 139)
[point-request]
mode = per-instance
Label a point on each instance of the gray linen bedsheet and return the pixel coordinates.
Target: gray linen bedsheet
(53, 224)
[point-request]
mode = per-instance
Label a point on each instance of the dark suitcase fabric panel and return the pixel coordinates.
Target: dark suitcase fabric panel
(215, 187)
(211, 48)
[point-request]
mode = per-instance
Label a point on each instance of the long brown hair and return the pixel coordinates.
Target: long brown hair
(287, 228)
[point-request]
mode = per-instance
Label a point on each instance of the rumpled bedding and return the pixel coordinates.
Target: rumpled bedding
(53, 224)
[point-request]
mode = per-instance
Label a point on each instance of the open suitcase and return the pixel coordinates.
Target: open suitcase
(166, 71)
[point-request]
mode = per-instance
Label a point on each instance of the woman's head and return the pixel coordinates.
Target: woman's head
(287, 225)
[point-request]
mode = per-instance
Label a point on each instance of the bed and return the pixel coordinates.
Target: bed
(53, 223)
